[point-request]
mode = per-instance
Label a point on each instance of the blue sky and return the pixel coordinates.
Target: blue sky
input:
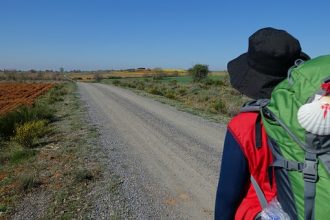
(115, 34)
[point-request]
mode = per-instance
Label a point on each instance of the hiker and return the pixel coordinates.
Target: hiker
(246, 152)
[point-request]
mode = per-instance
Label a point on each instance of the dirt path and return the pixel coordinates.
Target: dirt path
(168, 160)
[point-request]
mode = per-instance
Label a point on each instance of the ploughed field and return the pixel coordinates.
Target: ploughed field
(13, 95)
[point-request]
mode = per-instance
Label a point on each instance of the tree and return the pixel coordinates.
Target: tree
(199, 72)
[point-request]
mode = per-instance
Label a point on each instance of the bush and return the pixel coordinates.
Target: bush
(83, 174)
(219, 83)
(208, 81)
(56, 94)
(182, 91)
(3, 208)
(211, 82)
(195, 89)
(131, 84)
(27, 133)
(226, 80)
(155, 91)
(199, 72)
(28, 181)
(170, 95)
(21, 155)
(219, 106)
(9, 121)
(114, 77)
(116, 82)
(140, 85)
(7, 124)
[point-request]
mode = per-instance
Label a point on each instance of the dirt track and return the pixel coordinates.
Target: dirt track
(168, 160)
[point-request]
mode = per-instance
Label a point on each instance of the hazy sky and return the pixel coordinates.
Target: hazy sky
(114, 34)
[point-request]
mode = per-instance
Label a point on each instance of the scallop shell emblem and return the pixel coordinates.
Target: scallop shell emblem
(314, 117)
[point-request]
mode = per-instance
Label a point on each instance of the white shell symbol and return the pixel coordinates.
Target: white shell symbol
(314, 117)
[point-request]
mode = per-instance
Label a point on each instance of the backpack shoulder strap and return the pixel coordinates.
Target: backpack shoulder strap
(256, 106)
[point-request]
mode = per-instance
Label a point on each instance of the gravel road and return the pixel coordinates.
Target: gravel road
(167, 160)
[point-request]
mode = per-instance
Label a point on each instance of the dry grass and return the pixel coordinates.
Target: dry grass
(213, 96)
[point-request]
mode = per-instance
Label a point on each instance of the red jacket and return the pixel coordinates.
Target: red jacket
(259, 159)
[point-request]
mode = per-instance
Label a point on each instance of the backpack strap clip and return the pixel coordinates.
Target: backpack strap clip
(310, 170)
(288, 164)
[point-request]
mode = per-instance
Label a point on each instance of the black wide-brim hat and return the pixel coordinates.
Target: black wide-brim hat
(271, 53)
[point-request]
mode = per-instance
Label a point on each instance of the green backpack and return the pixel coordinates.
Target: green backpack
(301, 158)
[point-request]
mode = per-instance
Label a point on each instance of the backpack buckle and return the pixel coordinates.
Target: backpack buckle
(310, 170)
(293, 165)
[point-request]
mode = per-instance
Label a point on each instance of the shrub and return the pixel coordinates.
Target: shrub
(203, 97)
(20, 155)
(7, 124)
(114, 77)
(27, 133)
(170, 95)
(56, 94)
(124, 84)
(83, 174)
(182, 91)
(131, 84)
(42, 111)
(23, 114)
(155, 91)
(199, 72)
(226, 80)
(140, 85)
(208, 81)
(116, 82)
(3, 208)
(219, 83)
(219, 106)
(28, 181)
(195, 89)
(59, 89)
(233, 110)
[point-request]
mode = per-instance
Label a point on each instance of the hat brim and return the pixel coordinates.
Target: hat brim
(304, 56)
(249, 81)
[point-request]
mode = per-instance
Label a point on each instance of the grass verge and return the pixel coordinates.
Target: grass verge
(212, 98)
(51, 177)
